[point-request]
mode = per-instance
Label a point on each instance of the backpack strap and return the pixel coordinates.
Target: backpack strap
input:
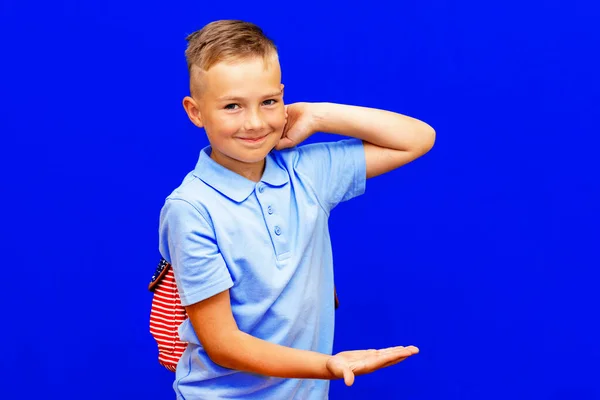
(161, 270)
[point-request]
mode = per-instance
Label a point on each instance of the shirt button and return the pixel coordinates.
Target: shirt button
(277, 230)
(270, 210)
(261, 188)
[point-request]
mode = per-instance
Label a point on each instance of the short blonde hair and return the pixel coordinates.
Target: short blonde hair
(227, 40)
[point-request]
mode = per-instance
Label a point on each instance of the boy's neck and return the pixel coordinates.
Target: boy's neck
(250, 171)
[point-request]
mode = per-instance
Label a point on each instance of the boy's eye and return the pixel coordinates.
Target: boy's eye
(269, 102)
(231, 106)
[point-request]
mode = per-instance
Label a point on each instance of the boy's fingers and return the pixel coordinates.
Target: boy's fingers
(389, 349)
(284, 143)
(409, 349)
(394, 362)
(413, 349)
(397, 351)
(384, 358)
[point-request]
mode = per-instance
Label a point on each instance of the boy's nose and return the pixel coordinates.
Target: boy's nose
(253, 122)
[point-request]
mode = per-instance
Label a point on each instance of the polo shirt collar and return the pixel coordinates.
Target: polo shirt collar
(231, 184)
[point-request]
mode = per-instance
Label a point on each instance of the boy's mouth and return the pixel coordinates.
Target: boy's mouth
(253, 140)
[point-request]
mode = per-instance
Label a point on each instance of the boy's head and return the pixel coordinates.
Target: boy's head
(236, 93)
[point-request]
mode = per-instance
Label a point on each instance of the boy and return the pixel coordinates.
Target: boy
(246, 231)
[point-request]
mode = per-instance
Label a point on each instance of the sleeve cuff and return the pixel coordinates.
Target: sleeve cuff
(205, 293)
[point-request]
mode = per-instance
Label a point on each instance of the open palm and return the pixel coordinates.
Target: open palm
(349, 364)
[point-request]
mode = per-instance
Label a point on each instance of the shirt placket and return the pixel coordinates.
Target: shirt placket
(274, 221)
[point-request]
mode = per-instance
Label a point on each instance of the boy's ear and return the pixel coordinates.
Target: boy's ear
(282, 86)
(193, 111)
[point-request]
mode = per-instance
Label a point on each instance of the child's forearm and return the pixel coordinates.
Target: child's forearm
(379, 127)
(244, 352)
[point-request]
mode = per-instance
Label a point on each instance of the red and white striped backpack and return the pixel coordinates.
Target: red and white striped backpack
(167, 313)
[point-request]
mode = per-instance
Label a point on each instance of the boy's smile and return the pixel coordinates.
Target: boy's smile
(254, 141)
(240, 105)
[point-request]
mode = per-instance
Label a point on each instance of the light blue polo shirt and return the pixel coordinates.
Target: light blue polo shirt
(269, 244)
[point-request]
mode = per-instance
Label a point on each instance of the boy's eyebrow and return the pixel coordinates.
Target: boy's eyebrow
(237, 98)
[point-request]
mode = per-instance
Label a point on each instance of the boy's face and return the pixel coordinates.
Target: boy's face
(240, 105)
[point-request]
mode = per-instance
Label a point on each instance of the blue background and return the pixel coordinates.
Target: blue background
(484, 253)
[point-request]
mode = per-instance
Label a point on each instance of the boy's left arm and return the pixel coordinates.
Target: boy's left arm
(390, 139)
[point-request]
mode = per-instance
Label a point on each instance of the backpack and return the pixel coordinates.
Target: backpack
(167, 313)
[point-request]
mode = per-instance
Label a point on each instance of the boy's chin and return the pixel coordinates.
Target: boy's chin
(254, 158)
(250, 156)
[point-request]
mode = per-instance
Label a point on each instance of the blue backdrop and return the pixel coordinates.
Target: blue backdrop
(484, 253)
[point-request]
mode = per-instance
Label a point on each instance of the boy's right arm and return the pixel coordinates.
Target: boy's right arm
(231, 348)
(204, 281)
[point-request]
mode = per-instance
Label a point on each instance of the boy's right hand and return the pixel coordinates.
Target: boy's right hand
(349, 364)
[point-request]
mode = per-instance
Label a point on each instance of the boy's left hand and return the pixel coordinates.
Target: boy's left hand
(300, 124)
(349, 364)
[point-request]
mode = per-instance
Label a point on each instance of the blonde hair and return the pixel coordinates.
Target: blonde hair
(227, 40)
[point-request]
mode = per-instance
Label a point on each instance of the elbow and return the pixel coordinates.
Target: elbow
(221, 352)
(220, 356)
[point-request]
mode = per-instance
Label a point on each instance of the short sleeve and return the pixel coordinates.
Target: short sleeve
(337, 170)
(186, 240)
